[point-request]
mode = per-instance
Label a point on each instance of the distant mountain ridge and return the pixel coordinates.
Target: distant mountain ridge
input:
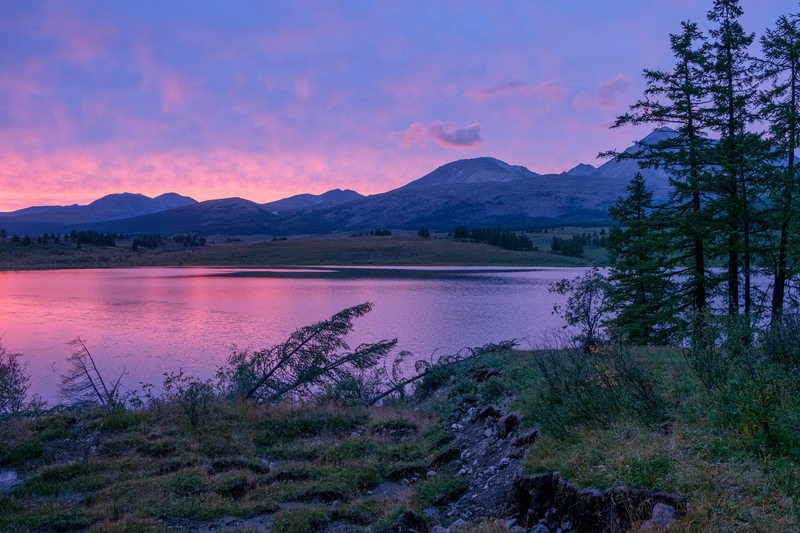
(118, 206)
(477, 192)
(304, 201)
(478, 170)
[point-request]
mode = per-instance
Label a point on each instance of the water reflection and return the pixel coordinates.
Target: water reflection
(152, 320)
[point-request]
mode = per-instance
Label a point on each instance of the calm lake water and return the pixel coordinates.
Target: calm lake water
(153, 320)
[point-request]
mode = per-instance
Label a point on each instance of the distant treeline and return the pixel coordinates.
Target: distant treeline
(574, 246)
(97, 238)
(510, 240)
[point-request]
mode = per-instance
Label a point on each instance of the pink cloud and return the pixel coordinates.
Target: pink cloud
(442, 133)
(548, 90)
(172, 86)
(77, 176)
(607, 95)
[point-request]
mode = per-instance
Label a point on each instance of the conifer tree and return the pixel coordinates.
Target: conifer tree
(780, 106)
(679, 98)
(642, 292)
(733, 87)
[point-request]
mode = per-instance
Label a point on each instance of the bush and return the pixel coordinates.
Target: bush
(594, 388)
(191, 394)
(586, 308)
(14, 383)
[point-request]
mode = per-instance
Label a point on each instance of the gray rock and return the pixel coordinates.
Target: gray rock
(488, 432)
(8, 480)
(541, 528)
(660, 519)
(528, 437)
(490, 411)
(457, 524)
(506, 424)
(440, 529)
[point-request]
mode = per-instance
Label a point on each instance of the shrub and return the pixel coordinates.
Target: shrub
(192, 395)
(586, 308)
(14, 383)
(594, 387)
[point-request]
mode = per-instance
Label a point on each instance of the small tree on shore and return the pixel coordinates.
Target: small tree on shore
(14, 382)
(586, 308)
(312, 358)
(84, 382)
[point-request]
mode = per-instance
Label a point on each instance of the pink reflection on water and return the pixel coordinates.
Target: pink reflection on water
(154, 320)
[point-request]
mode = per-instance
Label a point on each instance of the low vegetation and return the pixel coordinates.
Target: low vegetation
(198, 455)
(333, 250)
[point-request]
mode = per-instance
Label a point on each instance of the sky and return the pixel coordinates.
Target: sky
(267, 99)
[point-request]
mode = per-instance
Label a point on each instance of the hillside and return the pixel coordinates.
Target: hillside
(478, 170)
(41, 219)
(305, 201)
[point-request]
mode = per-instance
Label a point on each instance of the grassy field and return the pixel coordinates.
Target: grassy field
(298, 468)
(364, 250)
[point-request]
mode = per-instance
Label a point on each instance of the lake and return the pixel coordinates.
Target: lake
(148, 321)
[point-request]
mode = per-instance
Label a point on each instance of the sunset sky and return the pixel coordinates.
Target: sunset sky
(266, 99)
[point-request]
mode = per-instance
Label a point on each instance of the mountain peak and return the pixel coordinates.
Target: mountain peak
(581, 169)
(477, 170)
(306, 201)
(659, 134)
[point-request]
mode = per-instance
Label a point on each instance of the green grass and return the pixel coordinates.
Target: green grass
(306, 467)
(139, 471)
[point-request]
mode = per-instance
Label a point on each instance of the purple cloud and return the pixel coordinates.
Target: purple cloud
(442, 133)
(549, 90)
(607, 96)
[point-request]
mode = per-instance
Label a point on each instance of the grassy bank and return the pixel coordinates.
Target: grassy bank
(364, 250)
(317, 466)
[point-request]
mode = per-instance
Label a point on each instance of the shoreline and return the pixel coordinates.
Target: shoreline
(296, 253)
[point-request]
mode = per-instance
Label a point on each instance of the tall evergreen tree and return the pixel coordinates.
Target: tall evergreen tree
(679, 98)
(780, 106)
(733, 87)
(641, 292)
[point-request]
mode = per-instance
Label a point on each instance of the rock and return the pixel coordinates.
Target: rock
(490, 411)
(506, 424)
(8, 480)
(504, 461)
(541, 528)
(528, 437)
(408, 522)
(440, 529)
(430, 473)
(660, 519)
(615, 509)
(456, 427)
(457, 524)
(488, 433)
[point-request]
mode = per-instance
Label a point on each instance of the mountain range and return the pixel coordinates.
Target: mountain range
(479, 192)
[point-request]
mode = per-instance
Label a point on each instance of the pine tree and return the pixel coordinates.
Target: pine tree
(733, 87)
(642, 292)
(679, 98)
(780, 105)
